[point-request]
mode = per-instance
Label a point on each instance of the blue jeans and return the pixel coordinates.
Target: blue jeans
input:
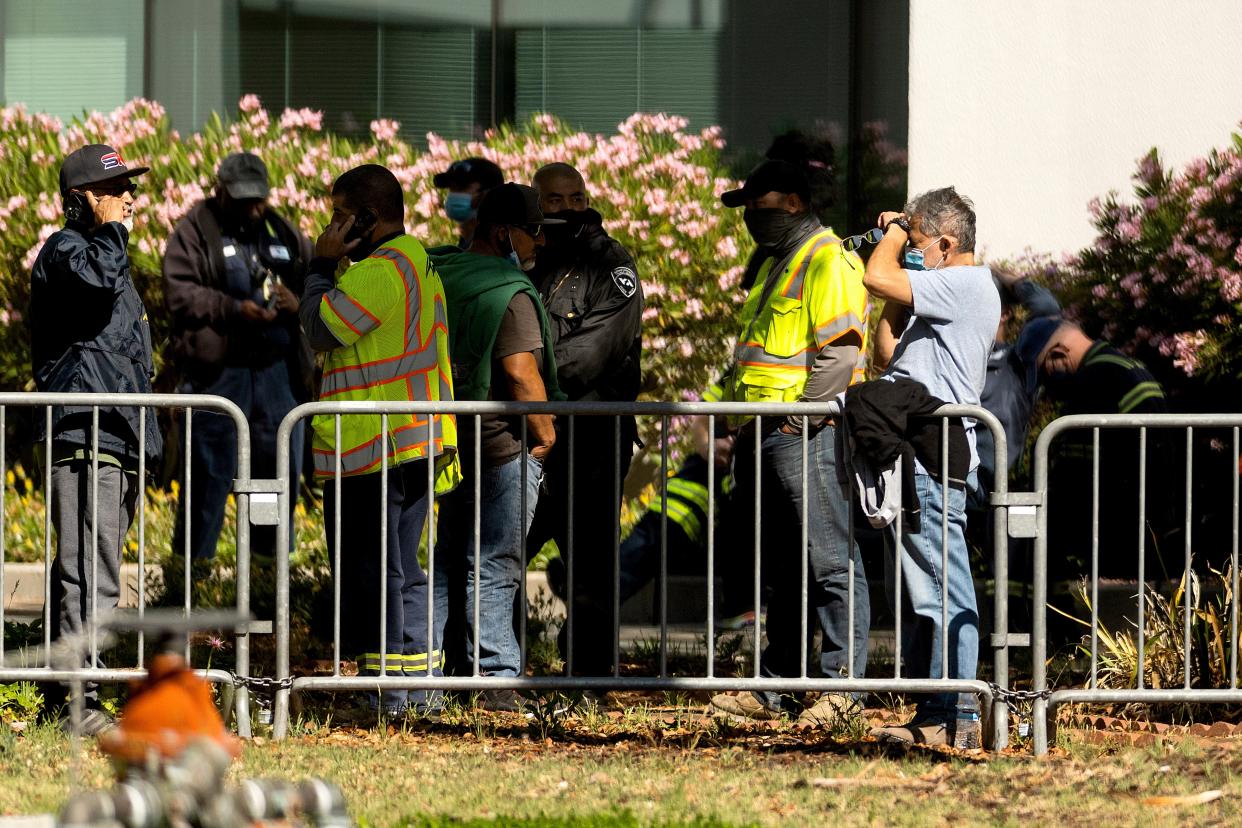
(265, 396)
(502, 544)
(925, 588)
(830, 550)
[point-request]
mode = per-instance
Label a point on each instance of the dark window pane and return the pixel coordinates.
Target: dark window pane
(432, 80)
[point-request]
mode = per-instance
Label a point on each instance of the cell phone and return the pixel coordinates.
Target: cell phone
(270, 296)
(364, 220)
(78, 208)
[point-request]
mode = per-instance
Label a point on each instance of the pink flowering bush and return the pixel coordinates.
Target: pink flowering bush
(656, 184)
(1164, 276)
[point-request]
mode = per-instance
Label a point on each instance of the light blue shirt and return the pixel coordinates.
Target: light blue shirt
(946, 343)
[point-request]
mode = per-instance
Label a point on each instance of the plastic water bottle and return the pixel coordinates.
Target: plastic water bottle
(966, 734)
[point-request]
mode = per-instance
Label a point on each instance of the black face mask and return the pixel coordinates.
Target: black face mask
(777, 229)
(571, 233)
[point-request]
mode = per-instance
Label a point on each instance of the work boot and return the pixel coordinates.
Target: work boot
(829, 712)
(502, 701)
(933, 734)
(742, 706)
(94, 722)
(962, 733)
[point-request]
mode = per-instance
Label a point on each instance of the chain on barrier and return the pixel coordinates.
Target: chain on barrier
(1020, 703)
(263, 690)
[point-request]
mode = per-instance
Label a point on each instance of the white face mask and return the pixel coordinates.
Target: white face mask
(128, 224)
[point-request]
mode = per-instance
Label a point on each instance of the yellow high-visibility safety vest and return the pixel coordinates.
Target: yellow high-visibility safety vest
(818, 299)
(388, 312)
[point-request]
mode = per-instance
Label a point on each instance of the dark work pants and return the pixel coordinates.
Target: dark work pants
(265, 396)
(599, 468)
(80, 569)
(363, 581)
(640, 553)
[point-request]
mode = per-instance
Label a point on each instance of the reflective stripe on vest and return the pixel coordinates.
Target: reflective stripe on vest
(687, 505)
(817, 243)
(684, 516)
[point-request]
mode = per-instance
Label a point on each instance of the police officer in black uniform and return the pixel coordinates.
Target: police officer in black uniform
(594, 299)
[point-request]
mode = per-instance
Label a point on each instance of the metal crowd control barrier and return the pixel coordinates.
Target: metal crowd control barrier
(288, 683)
(143, 403)
(1047, 700)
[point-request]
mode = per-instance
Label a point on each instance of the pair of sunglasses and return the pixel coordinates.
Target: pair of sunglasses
(115, 190)
(852, 243)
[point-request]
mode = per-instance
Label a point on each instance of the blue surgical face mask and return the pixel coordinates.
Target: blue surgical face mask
(460, 207)
(913, 260)
(516, 260)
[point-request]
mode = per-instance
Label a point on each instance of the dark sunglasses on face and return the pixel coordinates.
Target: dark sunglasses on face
(115, 190)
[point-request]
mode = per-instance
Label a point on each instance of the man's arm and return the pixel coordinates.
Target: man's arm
(885, 278)
(318, 283)
(330, 316)
(1037, 299)
(888, 333)
(526, 384)
(95, 263)
(186, 295)
(602, 339)
(830, 375)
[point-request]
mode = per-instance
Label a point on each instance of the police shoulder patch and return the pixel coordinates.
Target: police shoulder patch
(626, 280)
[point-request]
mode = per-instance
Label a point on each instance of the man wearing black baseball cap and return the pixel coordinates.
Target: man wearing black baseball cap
(89, 332)
(501, 347)
(804, 334)
(233, 271)
(467, 181)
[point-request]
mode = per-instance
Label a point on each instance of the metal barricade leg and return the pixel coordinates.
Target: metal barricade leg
(241, 701)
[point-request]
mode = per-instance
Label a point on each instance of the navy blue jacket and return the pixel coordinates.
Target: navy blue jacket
(1004, 390)
(89, 333)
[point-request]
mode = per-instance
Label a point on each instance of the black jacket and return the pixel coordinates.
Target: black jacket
(594, 301)
(203, 313)
(89, 333)
(890, 419)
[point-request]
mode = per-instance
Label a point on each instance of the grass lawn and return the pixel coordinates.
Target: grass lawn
(655, 768)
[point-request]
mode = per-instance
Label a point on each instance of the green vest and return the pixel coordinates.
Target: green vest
(478, 290)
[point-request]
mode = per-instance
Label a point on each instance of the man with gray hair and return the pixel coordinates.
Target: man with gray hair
(940, 317)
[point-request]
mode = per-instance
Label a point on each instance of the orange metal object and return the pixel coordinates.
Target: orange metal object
(167, 710)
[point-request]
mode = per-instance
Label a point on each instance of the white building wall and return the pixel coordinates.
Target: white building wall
(1033, 108)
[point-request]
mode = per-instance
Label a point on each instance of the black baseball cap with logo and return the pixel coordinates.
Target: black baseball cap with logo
(461, 174)
(92, 164)
(243, 175)
(513, 204)
(770, 177)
